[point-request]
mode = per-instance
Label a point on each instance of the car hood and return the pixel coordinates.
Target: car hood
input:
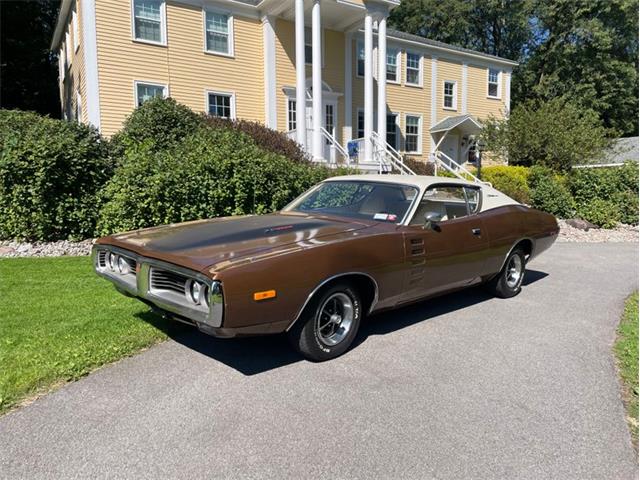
(202, 244)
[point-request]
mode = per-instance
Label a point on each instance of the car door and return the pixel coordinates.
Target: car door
(452, 251)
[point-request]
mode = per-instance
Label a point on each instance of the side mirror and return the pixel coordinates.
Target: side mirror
(431, 220)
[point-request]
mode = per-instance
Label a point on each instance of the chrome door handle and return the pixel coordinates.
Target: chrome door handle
(476, 232)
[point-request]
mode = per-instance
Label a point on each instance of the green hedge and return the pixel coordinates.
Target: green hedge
(512, 181)
(50, 173)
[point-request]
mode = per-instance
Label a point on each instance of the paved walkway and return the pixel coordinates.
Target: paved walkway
(466, 386)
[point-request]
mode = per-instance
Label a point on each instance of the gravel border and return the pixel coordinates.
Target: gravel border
(622, 233)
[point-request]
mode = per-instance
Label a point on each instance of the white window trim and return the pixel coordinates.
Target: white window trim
(208, 92)
(230, 22)
(454, 107)
(499, 96)
(163, 25)
(164, 86)
(62, 62)
(67, 42)
(398, 65)
(420, 70)
(359, 43)
(420, 139)
(76, 30)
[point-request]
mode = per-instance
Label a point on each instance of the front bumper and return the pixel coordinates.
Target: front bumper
(137, 282)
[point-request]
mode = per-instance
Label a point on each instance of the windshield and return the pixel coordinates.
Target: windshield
(357, 199)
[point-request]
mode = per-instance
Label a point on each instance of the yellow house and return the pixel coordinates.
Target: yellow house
(260, 59)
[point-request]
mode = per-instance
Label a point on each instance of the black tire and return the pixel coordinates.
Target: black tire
(505, 285)
(317, 344)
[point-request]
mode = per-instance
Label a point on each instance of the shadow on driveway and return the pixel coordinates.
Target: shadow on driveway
(254, 355)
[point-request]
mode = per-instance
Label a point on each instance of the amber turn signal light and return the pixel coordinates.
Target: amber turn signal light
(257, 296)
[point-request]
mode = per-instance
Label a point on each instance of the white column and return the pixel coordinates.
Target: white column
(269, 36)
(348, 112)
(368, 86)
(301, 100)
(382, 77)
(434, 99)
(316, 67)
(90, 53)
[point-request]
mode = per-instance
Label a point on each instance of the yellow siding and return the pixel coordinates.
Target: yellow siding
(182, 64)
(401, 99)
(478, 103)
(332, 72)
(452, 71)
(74, 80)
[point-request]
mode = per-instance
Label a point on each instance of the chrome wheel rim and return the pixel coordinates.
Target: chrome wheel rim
(514, 271)
(334, 319)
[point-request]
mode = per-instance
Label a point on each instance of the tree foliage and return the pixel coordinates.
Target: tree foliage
(584, 50)
(554, 134)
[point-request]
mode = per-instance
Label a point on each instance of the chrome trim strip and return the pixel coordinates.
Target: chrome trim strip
(327, 280)
(211, 316)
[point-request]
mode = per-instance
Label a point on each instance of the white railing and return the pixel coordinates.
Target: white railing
(389, 155)
(335, 148)
(443, 160)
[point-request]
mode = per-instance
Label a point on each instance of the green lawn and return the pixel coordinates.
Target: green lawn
(626, 350)
(59, 321)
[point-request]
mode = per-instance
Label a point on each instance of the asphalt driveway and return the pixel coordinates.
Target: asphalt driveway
(465, 386)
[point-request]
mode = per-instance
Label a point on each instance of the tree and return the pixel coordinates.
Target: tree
(586, 50)
(28, 70)
(554, 134)
(497, 27)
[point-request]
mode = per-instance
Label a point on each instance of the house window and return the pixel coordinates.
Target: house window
(291, 115)
(329, 120)
(148, 20)
(412, 134)
(67, 43)
(221, 105)
(493, 86)
(360, 59)
(147, 91)
(219, 33)
(450, 95)
(392, 64)
(76, 33)
(392, 130)
(414, 68)
(78, 107)
(360, 129)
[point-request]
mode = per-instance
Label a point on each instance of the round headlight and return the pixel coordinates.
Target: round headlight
(123, 266)
(196, 291)
(112, 261)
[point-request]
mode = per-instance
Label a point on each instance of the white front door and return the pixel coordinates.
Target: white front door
(451, 147)
(329, 120)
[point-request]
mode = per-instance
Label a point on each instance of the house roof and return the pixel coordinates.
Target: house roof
(450, 123)
(622, 150)
(445, 46)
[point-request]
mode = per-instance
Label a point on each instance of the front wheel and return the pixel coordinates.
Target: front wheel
(329, 324)
(508, 283)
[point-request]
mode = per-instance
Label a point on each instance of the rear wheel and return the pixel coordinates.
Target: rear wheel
(508, 283)
(329, 324)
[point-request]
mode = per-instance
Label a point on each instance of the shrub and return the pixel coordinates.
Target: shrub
(555, 134)
(512, 181)
(419, 167)
(50, 173)
(549, 193)
(600, 212)
(213, 172)
(617, 185)
(161, 122)
(265, 137)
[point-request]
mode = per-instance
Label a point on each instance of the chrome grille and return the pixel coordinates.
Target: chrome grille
(131, 262)
(102, 258)
(165, 280)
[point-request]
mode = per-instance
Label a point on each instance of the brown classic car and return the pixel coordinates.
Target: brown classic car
(349, 247)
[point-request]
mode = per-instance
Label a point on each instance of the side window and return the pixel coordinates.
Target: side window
(447, 202)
